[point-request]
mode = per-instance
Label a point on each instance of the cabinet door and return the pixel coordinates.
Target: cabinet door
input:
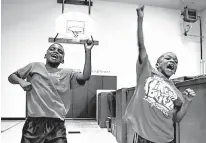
(103, 109)
(94, 83)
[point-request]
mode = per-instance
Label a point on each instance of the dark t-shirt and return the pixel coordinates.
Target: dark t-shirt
(150, 110)
(50, 95)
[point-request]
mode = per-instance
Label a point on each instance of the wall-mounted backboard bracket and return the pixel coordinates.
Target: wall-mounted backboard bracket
(69, 41)
(76, 2)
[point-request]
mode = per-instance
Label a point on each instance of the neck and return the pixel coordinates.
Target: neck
(166, 76)
(162, 73)
(52, 65)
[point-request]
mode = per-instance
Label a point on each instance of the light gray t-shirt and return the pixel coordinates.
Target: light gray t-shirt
(50, 95)
(151, 108)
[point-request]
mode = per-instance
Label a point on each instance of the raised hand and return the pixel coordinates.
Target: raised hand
(189, 94)
(89, 44)
(140, 11)
(26, 85)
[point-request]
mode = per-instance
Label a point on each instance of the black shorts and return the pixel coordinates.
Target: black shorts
(44, 130)
(139, 139)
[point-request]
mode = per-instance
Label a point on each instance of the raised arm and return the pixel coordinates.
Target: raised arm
(88, 45)
(140, 37)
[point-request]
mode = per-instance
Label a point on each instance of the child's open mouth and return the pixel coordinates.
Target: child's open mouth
(54, 56)
(170, 67)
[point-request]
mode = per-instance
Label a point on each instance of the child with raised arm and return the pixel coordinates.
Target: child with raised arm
(47, 89)
(156, 103)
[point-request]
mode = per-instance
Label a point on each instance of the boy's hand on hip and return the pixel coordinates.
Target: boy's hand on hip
(26, 85)
(140, 11)
(189, 94)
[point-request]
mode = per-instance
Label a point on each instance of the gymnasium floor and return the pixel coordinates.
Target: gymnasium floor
(89, 130)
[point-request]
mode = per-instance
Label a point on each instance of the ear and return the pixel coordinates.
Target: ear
(62, 61)
(157, 65)
(45, 56)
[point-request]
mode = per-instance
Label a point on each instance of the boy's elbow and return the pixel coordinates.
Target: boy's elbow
(177, 119)
(10, 78)
(87, 78)
(83, 78)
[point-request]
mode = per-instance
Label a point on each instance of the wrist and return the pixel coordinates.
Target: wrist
(187, 102)
(20, 81)
(87, 51)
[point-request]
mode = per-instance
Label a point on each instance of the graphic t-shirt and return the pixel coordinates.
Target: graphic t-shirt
(151, 108)
(50, 95)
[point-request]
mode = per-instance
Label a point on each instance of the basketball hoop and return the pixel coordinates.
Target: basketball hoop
(75, 36)
(75, 25)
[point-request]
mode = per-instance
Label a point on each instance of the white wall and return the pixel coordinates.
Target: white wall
(27, 24)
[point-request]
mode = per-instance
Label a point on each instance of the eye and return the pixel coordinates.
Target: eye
(60, 51)
(51, 48)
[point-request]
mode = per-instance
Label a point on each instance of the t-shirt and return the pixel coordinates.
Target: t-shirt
(50, 94)
(151, 108)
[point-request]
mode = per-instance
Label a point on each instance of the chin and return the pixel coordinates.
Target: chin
(54, 63)
(168, 74)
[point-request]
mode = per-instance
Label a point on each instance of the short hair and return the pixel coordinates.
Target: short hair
(159, 59)
(56, 44)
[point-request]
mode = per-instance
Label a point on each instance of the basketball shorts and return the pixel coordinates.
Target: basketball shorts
(139, 139)
(44, 130)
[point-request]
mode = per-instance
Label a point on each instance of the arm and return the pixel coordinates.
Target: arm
(87, 66)
(181, 112)
(189, 95)
(19, 76)
(140, 37)
(15, 79)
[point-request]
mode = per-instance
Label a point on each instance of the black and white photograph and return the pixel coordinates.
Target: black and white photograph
(103, 71)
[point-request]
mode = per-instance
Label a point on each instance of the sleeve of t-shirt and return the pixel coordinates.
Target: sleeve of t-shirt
(144, 66)
(73, 80)
(24, 72)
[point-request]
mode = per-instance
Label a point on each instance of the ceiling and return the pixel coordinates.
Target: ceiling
(173, 4)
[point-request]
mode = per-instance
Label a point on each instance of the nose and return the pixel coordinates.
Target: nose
(56, 51)
(172, 60)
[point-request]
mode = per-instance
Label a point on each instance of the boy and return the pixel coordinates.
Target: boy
(156, 103)
(47, 88)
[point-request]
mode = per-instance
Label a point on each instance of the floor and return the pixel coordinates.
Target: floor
(90, 132)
